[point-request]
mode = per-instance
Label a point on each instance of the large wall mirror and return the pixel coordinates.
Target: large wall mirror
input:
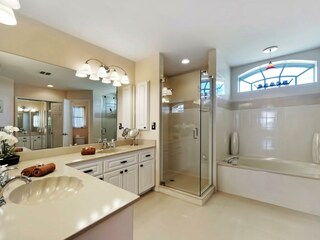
(53, 108)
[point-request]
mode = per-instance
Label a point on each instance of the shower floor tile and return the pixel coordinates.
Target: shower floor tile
(186, 183)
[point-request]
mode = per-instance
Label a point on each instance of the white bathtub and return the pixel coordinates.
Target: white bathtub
(289, 184)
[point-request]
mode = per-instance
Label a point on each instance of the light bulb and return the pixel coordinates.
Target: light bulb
(114, 76)
(14, 4)
(125, 79)
(102, 73)
(7, 16)
(116, 83)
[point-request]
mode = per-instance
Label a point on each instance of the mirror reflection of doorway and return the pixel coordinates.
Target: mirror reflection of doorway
(109, 117)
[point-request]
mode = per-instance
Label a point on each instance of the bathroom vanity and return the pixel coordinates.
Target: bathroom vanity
(95, 210)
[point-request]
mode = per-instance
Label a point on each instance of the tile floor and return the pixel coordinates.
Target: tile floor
(224, 217)
(186, 183)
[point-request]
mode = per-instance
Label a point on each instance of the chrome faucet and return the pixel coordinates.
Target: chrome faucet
(112, 144)
(105, 144)
(4, 181)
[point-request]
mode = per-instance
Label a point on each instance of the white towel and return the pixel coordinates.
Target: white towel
(316, 148)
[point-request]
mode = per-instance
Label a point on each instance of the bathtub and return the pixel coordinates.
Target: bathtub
(294, 185)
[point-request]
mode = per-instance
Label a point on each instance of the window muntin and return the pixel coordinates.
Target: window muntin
(285, 73)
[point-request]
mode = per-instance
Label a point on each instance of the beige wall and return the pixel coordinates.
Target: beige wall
(7, 98)
(182, 84)
(35, 40)
(38, 93)
(150, 69)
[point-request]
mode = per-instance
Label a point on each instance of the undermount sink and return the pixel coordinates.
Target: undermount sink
(109, 150)
(45, 190)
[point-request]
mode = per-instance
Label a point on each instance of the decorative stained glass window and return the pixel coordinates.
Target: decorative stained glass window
(285, 73)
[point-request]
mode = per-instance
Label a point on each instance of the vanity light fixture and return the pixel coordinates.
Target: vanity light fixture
(7, 16)
(270, 50)
(185, 61)
(107, 74)
(166, 91)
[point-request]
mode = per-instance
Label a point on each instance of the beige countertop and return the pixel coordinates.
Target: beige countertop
(63, 218)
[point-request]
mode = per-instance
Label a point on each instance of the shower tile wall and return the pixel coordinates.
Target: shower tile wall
(281, 132)
(225, 125)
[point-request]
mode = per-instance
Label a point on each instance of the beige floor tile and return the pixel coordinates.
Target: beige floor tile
(224, 217)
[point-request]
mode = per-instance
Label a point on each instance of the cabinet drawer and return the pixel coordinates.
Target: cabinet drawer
(119, 162)
(146, 155)
(92, 168)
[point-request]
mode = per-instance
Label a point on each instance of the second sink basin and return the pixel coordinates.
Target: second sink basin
(109, 150)
(44, 190)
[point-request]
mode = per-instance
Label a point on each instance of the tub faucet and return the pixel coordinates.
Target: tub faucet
(230, 159)
(4, 181)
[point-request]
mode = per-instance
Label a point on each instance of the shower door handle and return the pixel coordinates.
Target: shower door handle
(195, 133)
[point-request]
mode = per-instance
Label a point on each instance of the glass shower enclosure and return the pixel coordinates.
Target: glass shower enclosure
(186, 132)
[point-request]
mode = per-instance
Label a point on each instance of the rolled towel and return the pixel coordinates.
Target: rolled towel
(40, 171)
(28, 171)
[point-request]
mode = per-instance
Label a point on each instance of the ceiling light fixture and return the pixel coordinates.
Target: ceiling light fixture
(270, 50)
(7, 16)
(105, 73)
(185, 61)
(51, 86)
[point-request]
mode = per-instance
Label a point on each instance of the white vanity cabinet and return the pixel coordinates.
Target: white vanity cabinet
(94, 168)
(126, 178)
(122, 171)
(24, 141)
(132, 171)
(146, 170)
(36, 142)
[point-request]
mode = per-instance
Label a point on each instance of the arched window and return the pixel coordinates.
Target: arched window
(285, 73)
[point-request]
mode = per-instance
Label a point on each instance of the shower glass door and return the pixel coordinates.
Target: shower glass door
(185, 133)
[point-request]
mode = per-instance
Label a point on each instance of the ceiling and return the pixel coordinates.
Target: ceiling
(136, 29)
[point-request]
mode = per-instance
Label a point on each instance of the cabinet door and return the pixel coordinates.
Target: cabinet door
(142, 105)
(130, 179)
(23, 142)
(146, 176)
(115, 178)
(36, 142)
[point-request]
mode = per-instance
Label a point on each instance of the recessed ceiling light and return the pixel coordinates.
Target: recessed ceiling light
(50, 85)
(185, 61)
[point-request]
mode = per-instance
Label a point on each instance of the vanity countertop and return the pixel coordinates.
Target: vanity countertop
(63, 218)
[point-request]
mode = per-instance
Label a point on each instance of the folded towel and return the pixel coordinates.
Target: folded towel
(88, 151)
(28, 171)
(18, 149)
(40, 171)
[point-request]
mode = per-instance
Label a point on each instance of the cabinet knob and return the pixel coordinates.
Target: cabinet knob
(141, 165)
(126, 170)
(121, 172)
